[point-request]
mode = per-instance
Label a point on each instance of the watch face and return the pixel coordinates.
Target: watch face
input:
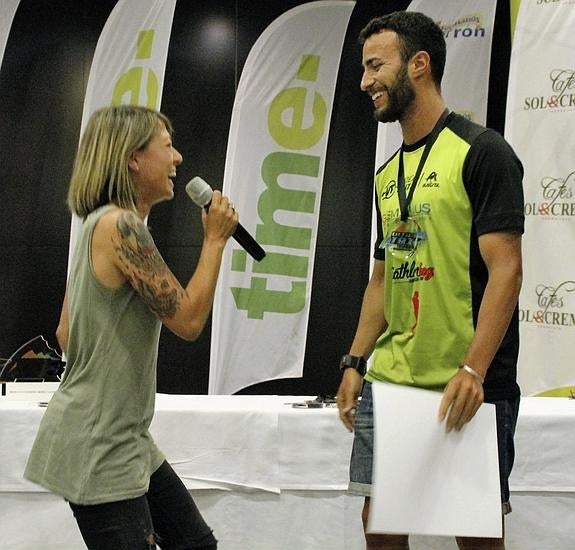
(350, 361)
(347, 361)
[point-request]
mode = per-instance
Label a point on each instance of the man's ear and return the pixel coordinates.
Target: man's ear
(420, 64)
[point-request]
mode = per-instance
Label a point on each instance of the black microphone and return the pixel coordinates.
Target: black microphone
(201, 193)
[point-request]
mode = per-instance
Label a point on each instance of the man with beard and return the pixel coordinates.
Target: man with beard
(440, 309)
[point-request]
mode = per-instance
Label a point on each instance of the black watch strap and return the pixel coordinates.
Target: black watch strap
(353, 362)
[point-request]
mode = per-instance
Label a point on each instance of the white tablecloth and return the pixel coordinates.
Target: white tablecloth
(270, 477)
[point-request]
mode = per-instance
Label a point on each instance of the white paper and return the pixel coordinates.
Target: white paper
(427, 481)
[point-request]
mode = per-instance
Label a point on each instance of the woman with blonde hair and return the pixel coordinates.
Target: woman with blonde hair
(93, 447)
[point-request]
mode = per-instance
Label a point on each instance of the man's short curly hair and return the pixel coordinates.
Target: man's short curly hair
(416, 32)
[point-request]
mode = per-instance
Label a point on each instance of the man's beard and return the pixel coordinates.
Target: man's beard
(399, 99)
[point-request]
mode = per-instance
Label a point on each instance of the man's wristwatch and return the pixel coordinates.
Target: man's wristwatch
(353, 362)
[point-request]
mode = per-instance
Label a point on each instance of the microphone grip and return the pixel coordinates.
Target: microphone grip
(248, 243)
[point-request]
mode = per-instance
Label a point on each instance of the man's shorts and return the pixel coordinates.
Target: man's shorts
(362, 454)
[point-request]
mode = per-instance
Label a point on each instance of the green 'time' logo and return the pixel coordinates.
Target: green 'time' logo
(288, 105)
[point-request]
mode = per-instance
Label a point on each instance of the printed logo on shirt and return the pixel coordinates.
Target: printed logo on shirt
(389, 190)
(430, 180)
(415, 304)
(409, 272)
(418, 210)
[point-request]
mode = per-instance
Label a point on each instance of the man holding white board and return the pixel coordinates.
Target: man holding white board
(440, 309)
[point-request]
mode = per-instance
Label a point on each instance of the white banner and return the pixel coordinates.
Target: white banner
(129, 64)
(274, 175)
(539, 124)
(7, 11)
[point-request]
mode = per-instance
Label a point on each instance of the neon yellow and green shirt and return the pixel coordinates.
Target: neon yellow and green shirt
(471, 184)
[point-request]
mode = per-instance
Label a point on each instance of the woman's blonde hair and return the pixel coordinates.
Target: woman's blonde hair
(100, 174)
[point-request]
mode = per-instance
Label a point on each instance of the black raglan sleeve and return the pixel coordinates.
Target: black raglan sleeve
(493, 178)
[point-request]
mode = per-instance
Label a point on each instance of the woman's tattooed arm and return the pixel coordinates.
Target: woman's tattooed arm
(144, 266)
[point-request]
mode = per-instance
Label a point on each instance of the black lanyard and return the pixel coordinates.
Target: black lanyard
(404, 201)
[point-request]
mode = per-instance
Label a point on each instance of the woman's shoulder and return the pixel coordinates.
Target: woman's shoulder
(123, 229)
(114, 224)
(114, 218)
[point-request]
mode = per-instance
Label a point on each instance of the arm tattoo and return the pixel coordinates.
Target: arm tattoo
(144, 266)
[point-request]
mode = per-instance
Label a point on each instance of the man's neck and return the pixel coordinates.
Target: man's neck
(421, 118)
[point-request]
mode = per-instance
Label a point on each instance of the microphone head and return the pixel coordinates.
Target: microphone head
(199, 191)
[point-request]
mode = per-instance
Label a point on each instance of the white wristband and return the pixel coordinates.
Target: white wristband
(468, 369)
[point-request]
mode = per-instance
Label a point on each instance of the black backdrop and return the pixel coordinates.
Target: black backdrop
(42, 84)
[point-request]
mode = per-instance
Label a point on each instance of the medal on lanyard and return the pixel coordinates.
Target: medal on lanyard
(403, 240)
(406, 236)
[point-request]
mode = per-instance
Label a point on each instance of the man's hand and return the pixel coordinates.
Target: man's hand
(347, 395)
(462, 397)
